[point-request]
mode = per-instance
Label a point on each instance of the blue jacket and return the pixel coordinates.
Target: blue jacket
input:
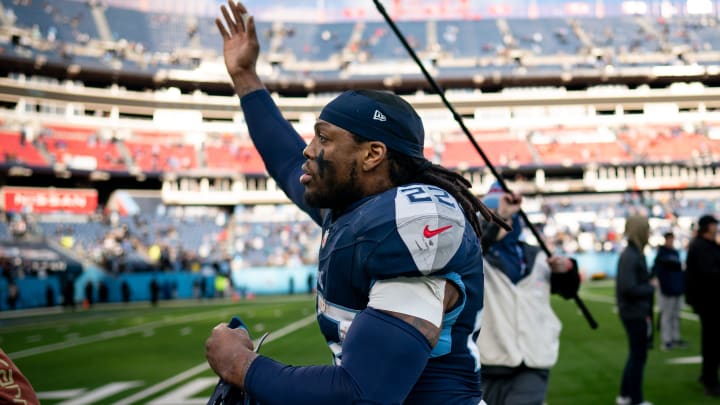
(668, 269)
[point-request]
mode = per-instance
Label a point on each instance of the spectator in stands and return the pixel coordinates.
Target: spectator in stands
(154, 291)
(49, 296)
(703, 285)
(125, 291)
(669, 271)
(102, 292)
(13, 295)
(634, 289)
(89, 294)
(310, 283)
(69, 294)
(399, 257)
(520, 336)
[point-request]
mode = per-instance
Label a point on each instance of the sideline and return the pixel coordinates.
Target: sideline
(24, 313)
(172, 303)
(27, 323)
(282, 332)
(109, 335)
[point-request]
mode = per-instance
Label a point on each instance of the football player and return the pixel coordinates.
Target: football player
(400, 281)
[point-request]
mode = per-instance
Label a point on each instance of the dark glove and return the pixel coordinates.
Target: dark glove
(566, 284)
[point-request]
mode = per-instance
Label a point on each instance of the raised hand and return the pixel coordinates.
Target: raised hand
(559, 264)
(240, 47)
(509, 205)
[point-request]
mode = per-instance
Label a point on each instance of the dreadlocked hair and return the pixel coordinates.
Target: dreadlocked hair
(406, 169)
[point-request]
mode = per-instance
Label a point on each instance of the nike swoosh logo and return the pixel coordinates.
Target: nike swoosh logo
(429, 233)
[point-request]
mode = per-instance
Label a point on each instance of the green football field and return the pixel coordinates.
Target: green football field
(126, 354)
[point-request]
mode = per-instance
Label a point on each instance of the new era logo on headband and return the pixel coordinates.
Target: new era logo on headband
(378, 116)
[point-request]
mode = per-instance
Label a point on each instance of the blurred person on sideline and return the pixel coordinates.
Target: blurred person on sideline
(520, 337)
(669, 271)
(399, 282)
(14, 386)
(703, 295)
(634, 290)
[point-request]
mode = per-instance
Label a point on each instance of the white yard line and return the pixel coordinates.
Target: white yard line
(61, 394)
(102, 392)
(685, 360)
(152, 390)
(111, 334)
(164, 384)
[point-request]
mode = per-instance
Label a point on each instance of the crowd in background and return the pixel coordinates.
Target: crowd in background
(173, 239)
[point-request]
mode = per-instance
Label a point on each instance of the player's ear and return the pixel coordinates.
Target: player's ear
(375, 154)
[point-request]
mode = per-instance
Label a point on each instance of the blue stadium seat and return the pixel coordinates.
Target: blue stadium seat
(382, 44)
(623, 34)
(463, 39)
(67, 18)
(313, 42)
(547, 36)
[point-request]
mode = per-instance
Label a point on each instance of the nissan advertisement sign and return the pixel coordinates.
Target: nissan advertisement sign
(49, 200)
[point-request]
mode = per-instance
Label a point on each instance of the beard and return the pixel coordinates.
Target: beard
(335, 195)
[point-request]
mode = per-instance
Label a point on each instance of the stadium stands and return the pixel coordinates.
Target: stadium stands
(231, 155)
(116, 131)
(573, 154)
(622, 34)
(149, 151)
(697, 34)
(17, 150)
(144, 42)
(57, 21)
(502, 152)
(547, 36)
(468, 39)
(160, 155)
(670, 144)
(313, 42)
(82, 148)
(381, 44)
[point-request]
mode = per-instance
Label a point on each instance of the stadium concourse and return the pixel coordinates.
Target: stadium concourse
(123, 150)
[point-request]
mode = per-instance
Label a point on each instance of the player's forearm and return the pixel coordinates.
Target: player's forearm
(238, 367)
(279, 145)
(270, 382)
(246, 82)
(383, 357)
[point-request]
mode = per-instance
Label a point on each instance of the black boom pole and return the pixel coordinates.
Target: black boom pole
(440, 92)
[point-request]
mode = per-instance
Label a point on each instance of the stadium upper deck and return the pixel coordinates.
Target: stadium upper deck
(106, 109)
(113, 44)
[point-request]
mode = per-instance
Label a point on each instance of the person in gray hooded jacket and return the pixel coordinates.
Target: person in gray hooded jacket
(634, 290)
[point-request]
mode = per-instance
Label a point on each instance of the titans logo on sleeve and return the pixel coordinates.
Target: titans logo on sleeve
(415, 230)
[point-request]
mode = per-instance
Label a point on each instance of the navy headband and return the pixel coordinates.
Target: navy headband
(378, 116)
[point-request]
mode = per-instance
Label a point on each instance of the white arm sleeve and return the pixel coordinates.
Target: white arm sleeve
(421, 297)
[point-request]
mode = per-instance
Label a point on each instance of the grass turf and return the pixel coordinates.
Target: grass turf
(154, 346)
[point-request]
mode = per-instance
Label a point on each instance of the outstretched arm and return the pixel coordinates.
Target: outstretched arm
(240, 48)
(275, 139)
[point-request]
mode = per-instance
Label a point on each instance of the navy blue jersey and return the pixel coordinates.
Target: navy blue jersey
(395, 234)
(412, 231)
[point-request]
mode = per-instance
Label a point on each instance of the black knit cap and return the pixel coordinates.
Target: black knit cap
(378, 116)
